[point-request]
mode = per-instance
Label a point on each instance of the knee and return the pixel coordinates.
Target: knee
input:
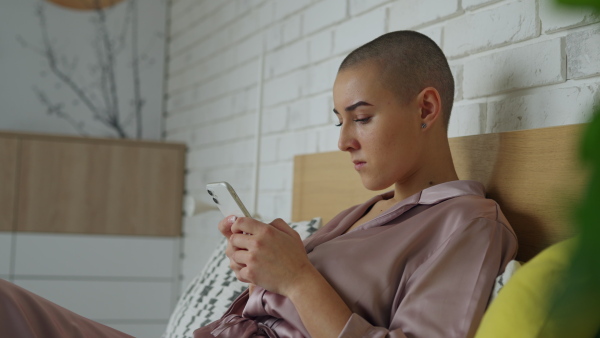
(5, 287)
(8, 291)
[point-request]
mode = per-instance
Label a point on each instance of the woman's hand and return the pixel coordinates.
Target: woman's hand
(269, 255)
(273, 257)
(225, 229)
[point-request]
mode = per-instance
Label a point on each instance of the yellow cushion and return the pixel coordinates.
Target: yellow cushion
(523, 305)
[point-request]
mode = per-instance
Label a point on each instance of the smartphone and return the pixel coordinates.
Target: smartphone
(226, 199)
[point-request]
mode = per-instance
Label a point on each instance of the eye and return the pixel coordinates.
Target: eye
(338, 124)
(363, 120)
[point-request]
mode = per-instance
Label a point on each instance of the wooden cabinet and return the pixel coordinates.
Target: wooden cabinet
(8, 180)
(90, 186)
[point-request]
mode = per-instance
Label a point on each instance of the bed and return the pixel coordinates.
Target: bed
(532, 174)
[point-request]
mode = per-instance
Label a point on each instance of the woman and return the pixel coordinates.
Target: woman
(419, 261)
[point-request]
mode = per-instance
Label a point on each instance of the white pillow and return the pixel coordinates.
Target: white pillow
(509, 271)
(211, 292)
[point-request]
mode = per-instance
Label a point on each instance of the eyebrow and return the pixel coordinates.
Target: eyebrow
(354, 106)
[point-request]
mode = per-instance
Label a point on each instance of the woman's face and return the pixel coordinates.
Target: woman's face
(381, 133)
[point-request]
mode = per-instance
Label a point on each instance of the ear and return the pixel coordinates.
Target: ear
(430, 105)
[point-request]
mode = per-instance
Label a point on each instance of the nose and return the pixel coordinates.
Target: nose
(347, 140)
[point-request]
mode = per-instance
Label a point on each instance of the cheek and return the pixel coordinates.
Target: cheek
(400, 149)
(390, 142)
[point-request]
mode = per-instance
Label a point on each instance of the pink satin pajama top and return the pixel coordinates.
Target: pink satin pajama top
(424, 268)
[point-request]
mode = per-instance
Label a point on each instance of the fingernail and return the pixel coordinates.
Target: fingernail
(232, 219)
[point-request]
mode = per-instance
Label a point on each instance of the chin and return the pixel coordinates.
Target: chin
(375, 185)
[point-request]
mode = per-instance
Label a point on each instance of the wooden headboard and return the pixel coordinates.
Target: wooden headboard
(533, 175)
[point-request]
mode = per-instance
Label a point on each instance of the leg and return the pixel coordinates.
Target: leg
(24, 314)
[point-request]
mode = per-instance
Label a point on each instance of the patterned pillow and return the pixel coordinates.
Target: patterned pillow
(209, 294)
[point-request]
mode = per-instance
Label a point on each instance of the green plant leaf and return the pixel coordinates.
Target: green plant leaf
(587, 3)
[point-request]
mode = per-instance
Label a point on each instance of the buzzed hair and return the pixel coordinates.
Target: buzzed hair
(410, 62)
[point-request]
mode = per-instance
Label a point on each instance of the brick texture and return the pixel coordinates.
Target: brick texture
(558, 106)
(581, 47)
(532, 65)
(405, 14)
(491, 27)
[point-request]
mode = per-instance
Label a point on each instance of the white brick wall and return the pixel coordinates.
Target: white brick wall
(359, 30)
(491, 27)
(287, 58)
(472, 4)
(405, 14)
(360, 6)
(467, 119)
(543, 108)
(583, 51)
(322, 14)
(526, 66)
(517, 64)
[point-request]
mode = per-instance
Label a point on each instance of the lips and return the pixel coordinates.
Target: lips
(358, 164)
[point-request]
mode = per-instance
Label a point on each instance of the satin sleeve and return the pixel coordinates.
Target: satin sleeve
(448, 293)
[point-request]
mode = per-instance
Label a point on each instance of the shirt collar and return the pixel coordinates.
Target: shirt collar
(438, 193)
(447, 190)
(429, 196)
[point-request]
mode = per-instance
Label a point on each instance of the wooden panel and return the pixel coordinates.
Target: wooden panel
(324, 185)
(532, 174)
(89, 186)
(8, 179)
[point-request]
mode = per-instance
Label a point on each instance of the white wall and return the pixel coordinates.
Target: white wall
(517, 64)
(24, 68)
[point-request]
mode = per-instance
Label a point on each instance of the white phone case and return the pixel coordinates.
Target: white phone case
(226, 199)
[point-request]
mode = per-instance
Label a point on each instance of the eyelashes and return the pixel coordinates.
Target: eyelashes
(361, 121)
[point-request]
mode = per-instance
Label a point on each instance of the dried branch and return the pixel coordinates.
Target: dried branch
(109, 65)
(137, 101)
(57, 109)
(50, 56)
(104, 106)
(122, 36)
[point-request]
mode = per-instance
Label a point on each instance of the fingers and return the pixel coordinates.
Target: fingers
(246, 225)
(236, 267)
(225, 225)
(250, 226)
(240, 242)
(236, 263)
(230, 249)
(242, 258)
(236, 230)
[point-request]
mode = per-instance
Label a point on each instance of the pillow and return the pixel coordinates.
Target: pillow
(211, 292)
(522, 308)
(501, 280)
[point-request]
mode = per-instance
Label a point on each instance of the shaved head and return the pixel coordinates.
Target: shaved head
(409, 62)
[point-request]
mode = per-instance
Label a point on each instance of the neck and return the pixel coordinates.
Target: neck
(437, 168)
